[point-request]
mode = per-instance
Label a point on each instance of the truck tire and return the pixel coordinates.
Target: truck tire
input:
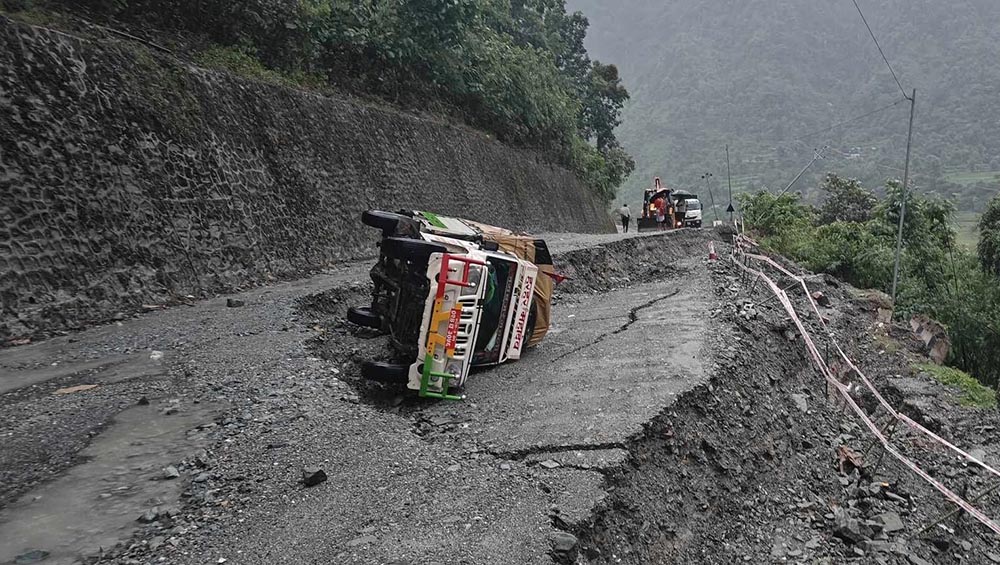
(414, 250)
(364, 317)
(532, 318)
(389, 222)
(388, 373)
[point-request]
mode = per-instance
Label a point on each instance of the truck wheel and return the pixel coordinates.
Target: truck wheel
(364, 317)
(388, 222)
(389, 373)
(415, 250)
(532, 318)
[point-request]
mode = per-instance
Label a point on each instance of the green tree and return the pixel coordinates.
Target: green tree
(846, 201)
(772, 215)
(602, 101)
(515, 68)
(988, 249)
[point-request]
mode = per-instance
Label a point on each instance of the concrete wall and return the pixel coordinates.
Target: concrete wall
(129, 178)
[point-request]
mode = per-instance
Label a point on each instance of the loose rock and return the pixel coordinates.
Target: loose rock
(363, 540)
(891, 522)
(33, 556)
(846, 527)
(149, 516)
(563, 542)
(800, 402)
(821, 299)
(312, 476)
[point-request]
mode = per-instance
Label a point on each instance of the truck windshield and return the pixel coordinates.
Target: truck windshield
(495, 307)
(693, 205)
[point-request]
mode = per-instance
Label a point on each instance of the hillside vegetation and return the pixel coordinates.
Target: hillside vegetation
(853, 235)
(769, 76)
(514, 68)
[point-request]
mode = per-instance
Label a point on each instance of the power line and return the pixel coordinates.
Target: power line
(854, 119)
(817, 155)
(884, 58)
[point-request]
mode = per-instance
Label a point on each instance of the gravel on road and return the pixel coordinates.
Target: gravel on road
(199, 430)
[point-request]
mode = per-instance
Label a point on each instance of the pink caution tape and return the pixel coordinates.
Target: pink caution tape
(871, 387)
(739, 252)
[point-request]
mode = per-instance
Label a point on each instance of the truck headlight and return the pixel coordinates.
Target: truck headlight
(475, 275)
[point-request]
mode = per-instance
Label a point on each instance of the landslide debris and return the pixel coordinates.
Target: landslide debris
(763, 465)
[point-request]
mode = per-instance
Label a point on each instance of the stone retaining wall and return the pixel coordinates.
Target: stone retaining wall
(128, 177)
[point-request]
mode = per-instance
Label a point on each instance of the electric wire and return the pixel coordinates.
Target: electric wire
(884, 58)
(851, 120)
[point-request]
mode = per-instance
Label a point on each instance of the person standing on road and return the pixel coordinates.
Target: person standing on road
(626, 215)
(660, 205)
(669, 209)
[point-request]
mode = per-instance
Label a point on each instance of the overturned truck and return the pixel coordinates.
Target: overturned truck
(453, 294)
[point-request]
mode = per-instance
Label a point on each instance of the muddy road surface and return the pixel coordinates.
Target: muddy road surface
(181, 435)
(670, 416)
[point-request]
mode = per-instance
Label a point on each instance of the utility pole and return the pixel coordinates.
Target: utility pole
(708, 183)
(902, 204)
(729, 175)
(817, 154)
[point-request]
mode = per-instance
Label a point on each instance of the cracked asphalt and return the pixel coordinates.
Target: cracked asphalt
(238, 400)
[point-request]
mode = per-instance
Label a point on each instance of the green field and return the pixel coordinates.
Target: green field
(965, 178)
(966, 226)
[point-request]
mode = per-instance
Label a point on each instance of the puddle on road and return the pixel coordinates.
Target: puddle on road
(96, 504)
(106, 370)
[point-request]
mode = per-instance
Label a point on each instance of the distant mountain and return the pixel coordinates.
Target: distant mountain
(765, 75)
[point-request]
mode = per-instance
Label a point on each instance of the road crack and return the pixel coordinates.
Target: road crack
(633, 317)
(521, 454)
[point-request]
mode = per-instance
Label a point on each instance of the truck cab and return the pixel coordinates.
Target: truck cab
(453, 294)
(689, 210)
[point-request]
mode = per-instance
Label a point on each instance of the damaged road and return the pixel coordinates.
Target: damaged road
(670, 416)
(761, 464)
(192, 443)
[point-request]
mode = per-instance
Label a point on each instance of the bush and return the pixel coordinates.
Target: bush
(846, 201)
(936, 277)
(239, 62)
(989, 237)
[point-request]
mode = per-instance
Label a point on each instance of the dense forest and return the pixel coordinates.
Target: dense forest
(515, 68)
(769, 77)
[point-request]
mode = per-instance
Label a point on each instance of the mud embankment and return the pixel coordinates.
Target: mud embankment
(630, 261)
(129, 179)
(745, 469)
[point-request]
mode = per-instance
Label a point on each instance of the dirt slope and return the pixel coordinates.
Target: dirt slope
(745, 467)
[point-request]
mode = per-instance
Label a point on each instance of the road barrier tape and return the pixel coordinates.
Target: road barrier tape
(864, 378)
(741, 244)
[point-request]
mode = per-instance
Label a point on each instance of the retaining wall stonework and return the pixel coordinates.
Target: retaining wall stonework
(128, 177)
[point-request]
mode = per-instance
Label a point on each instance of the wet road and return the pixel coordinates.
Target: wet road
(238, 405)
